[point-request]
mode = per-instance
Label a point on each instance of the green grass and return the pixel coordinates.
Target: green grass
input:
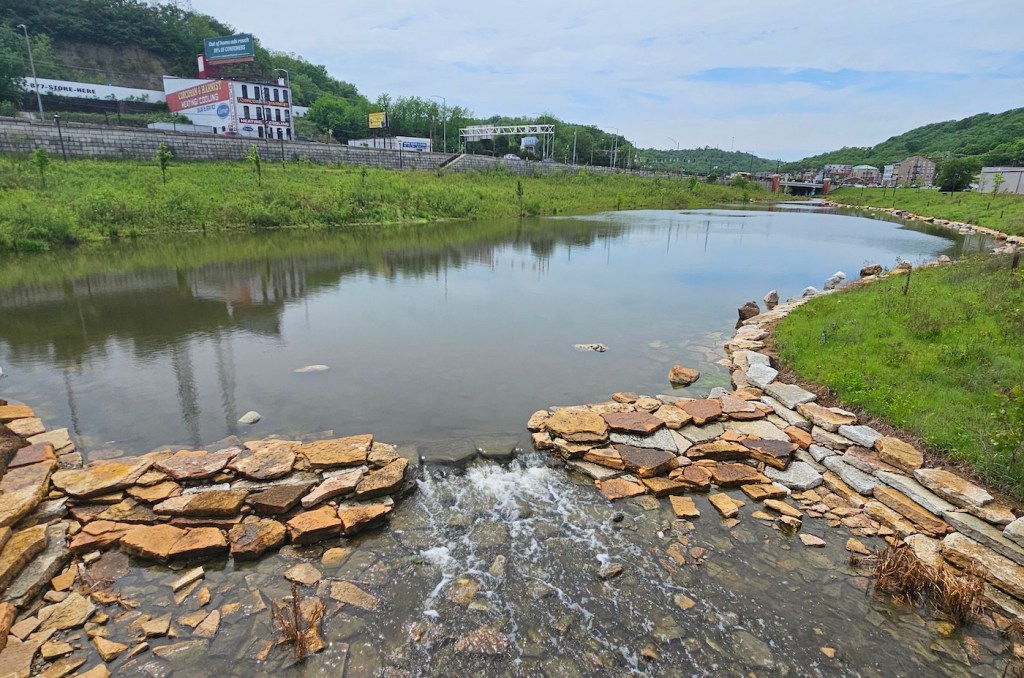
(89, 200)
(937, 362)
(1003, 212)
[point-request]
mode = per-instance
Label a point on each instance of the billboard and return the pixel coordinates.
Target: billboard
(229, 50)
(378, 120)
(202, 94)
(86, 90)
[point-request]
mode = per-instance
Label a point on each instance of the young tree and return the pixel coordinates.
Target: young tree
(42, 162)
(254, 158)
(997, 181)
(163, 157)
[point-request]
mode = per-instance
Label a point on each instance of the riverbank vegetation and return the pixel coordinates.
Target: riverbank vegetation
(89, 200)
(1002, 212)
(942, 360)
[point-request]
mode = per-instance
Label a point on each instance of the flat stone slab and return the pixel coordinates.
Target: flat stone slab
(101, 477)
(266, 463)
(595, 471)
(829, 439)
(661, 440)
(661, 486)
(577, 426)
(33, 454)
(1003, 573)
(861, 482)
(339, 485)
(357, 517)
(912, 511)
(684, 507)
(385, 481)
(725, 505)
(719, 450)
(1015, 532)
(702, 434)
(209, 503)
(774, 453)
(696, 478)
(917, 492)
(636, 423)
(313, 526)
(12, 412)
(759, 429)
(828, 418)
(900, 454)
(58, 437)
(199, 542)
(21, 489)
(21, 547)
(982, 532)
(866, 460)
(760, 375)
(703, 411)
(26, 428)
(818, 452)
(614, 489)
(645, 462)
(195, 464)
(253, 536)
(734, 475)
(865, 436)
(953, 488)
(70, 613)
(789, 394)
(799, 476)
(348, 451)
(151, 541)
(279, 499)
(788, 415)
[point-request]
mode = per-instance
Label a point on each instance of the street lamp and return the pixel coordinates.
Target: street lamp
(56, 119)
(615, 145)
(32, 65)
(444, 119)
(291, 99)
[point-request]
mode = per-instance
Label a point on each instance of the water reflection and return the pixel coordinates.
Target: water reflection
(448, 333)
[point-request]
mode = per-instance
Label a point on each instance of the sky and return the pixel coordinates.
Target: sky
(778, 79)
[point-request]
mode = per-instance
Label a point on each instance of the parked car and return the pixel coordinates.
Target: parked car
(511, 156)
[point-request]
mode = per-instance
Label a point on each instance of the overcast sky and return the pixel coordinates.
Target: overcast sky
(784, 79)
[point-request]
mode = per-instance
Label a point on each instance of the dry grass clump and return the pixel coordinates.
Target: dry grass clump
(899, 573)
(298, 622)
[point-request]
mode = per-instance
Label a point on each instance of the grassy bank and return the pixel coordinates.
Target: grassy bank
(941, 361)
(1002, 212)
(87, 200)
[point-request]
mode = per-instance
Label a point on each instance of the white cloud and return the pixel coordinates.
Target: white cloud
(631, 65)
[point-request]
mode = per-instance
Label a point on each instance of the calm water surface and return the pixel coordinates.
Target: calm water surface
(446, 337)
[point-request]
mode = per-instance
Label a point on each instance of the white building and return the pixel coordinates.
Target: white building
(418, 144)
(250, 109)
(888, 175)
(1013, 180)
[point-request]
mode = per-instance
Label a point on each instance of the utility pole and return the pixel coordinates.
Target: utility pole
(444, 120)
(574, 149)
(32, 65)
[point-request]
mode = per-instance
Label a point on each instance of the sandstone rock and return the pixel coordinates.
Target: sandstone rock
(537, 420)
(927, 550)
(208, 503)
(865, 436)
(595, 471)
(783, 508)
(21, 489)
(1005, 574)
(903, 456)
(953, 488)
(696, 478)
(208, 627)
(385, 481)
(916, 492)
(839, 487)
(761, 491)
(542, 441)
(719, 450)
(827, 418)
(627, 397)
(997, 514)
(151, 541)
(1015, 531)
(645, 463)
(266, 463)
(357, 517)
(70, 613)
(854, 545)
(673, 416)
(798, 476)
(636, 423)
(619, 488)
(26, 428)
(108, 649)
(339, 485)
(278, 499)
(10, 413)
(195, 464)
(42, 568)
(684, 507)
(605, 456)
(765, 430)
(382, 454)
(21, 547)
(661, 486)
(774, 453)
(734, 475)
(568, 450)
(702, 411)
(682, 376)
(891, 519)
(867, 460)
(980, 531)
(59, 438)
(303, 573)
(350, 451)
(253, 536)
(861, 482)
(128, 511)
(577, 426)
(347, 593)
(725, 505)
(647, 404)
(199, 542)
(789, 395)
(33, 454)
(484, 641)
(16, 658)
(812, 541)
(155, 493)
(313, 526)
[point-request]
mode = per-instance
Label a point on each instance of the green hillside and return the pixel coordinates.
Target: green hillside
(705, 160)
(986, 138)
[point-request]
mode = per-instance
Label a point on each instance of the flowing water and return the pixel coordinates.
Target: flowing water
(444, 339)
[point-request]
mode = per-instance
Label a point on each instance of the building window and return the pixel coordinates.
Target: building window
(260, 130)
(245, 110)
(288, 132)
(266, 93)
(266, 112)
(277, 114)
(287, 116)
(284, 95)
(276, 95)
(259, 113)
(245, 91)
(280, 134)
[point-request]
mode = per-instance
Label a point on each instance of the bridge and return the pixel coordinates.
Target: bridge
(805, 187)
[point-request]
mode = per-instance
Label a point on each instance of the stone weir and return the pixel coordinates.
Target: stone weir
(770, 443)
(168, 506)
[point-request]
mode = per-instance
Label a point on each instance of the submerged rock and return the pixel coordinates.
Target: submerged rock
(682, 376)
(250, 417)
(596, 348)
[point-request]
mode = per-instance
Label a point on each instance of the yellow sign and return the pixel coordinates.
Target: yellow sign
(378, 120)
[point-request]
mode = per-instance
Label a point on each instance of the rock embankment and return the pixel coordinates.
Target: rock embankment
(774, 442)
(57, 516)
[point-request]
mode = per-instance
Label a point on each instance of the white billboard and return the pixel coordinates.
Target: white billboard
(88, 90)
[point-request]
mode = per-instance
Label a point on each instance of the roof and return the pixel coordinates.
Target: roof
(865, 167)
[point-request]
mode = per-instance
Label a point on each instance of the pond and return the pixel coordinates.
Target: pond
(444, 339)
